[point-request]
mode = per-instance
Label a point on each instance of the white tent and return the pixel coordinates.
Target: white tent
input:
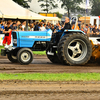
(10, 9)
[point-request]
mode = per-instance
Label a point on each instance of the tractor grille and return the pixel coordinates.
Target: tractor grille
(14, 39)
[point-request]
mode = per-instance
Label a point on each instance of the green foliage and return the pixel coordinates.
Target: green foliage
(48, 5)
(52, 76)
(71, 5)
(95, 7)
(23, 3)
(58, 14)
(79, 16)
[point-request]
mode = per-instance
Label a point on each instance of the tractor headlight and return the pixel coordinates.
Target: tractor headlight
(15, 41)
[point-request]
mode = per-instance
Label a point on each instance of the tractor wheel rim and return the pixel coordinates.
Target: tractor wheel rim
(25, 56)
(77, 50)
(14, 57)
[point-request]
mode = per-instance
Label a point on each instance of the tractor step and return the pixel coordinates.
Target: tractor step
(54, 46)
(50, 53)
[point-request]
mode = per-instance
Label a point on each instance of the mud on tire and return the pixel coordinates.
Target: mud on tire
(74, 49)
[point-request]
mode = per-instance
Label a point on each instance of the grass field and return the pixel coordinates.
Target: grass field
(52, 77)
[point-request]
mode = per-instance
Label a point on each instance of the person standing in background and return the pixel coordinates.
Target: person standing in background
(95, 31)
(7, 32)
(42, 28)
(36, 28)
(87, 30)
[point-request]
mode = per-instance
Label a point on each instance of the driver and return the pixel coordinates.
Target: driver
(67, 26)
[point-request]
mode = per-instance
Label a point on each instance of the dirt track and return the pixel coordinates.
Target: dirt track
(23, 90)
(41, 64)
(30, 90)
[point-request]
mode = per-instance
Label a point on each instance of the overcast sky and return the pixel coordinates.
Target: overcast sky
(34, 5)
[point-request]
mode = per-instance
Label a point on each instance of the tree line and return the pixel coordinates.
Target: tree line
(69, 5)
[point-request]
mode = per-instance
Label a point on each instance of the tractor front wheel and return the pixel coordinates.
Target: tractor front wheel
(25, 56)
(12, 56)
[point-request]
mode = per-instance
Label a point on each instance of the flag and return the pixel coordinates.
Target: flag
(87, 3)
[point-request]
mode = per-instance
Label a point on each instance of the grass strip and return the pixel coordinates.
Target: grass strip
(39, 52)
(52, 77)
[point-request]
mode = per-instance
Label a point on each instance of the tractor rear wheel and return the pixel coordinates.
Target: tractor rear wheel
(74, 49)
(53, 58)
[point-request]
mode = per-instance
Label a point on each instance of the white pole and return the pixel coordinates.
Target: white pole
(85, 16)
(87, 5)
(2, 15)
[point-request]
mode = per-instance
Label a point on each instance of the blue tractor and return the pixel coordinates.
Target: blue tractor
(72, 47)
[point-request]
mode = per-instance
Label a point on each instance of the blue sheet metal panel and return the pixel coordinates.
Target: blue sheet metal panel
(26, 42)
(27, 38)
(49, 34)
(32, 33)
(76, 31)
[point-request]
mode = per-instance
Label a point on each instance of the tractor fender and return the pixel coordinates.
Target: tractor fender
(71, 32)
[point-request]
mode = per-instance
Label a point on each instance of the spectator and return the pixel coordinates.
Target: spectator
(82, 27)
(1, 27)
(13, 27)
(20, 27)
(77, 27)
(45, 26)
(87, 30)
(31, 27)
(95, 31)
(48, 25)
(42, 28)
(90, 27)
(90, 30)
(23, 26)
(17, 25)
(99, 29)
(57, 26)
(1, 23)
(36, 28)
(53, 29)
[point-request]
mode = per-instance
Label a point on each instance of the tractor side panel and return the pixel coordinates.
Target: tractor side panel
(28, 38)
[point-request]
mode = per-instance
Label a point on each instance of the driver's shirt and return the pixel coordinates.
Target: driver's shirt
(66, 27)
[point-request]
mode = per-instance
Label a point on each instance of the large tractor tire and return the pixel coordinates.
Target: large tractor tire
(25, 56)
(12, 56)
(53, 58)
(74, 49)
